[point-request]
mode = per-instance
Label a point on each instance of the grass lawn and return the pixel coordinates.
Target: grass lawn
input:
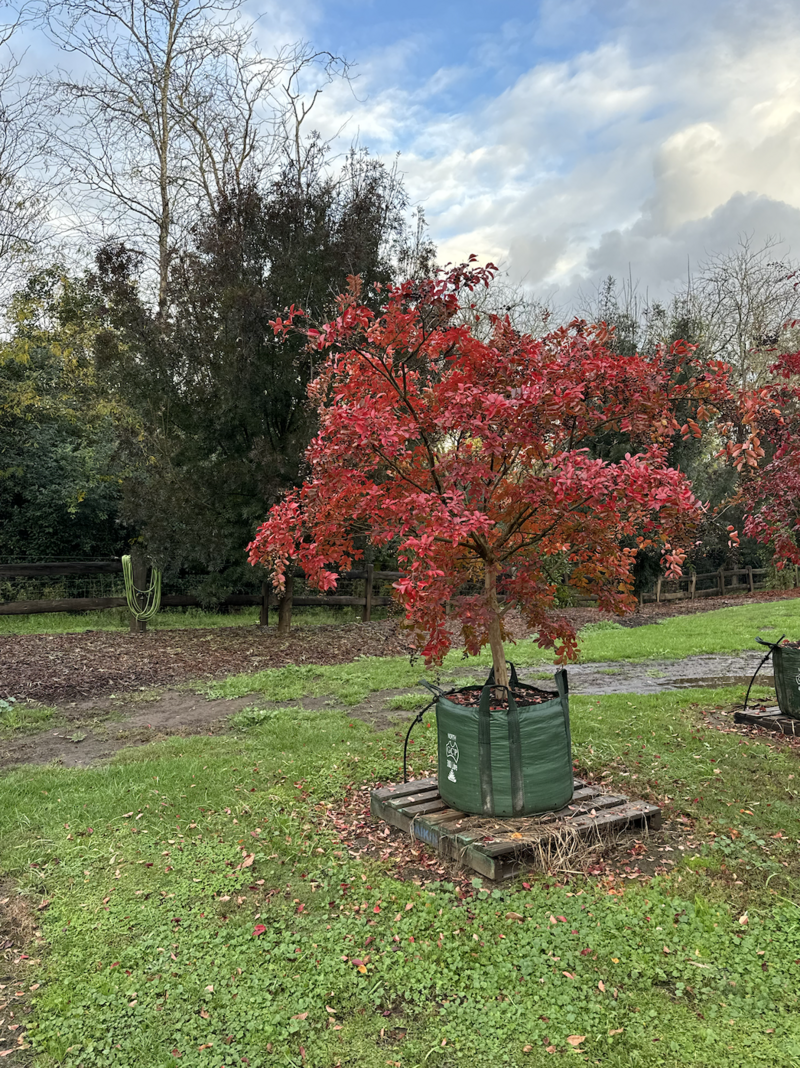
(202, 909)
(112, 619)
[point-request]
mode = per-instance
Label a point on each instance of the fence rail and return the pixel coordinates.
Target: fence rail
(687, 587)
(722, 582)
(266, 599)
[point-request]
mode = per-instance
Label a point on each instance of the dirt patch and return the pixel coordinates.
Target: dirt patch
(95, 730)
(20, 942)
(90, 732)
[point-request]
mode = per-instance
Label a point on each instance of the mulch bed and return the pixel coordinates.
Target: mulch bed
(57, 668)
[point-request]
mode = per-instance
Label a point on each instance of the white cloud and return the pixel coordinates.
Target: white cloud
(665, 139)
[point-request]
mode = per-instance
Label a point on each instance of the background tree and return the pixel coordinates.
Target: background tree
(474, 457)
(222, 420)
(24, 193)
(59, 481)
(174, 107)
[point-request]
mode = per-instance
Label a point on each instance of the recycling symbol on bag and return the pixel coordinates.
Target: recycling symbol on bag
(451, 752)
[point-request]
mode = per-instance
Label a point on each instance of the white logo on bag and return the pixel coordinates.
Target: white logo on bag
(451, 752)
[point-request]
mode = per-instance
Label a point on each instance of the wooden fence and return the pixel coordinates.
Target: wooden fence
(265, 599)
(685, 588)
(722, 582)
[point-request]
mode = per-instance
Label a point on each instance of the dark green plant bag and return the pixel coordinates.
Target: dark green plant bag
(512, 762)
(786, 666)
(786, 669)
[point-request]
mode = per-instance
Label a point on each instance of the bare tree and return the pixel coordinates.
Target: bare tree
(745, 299)
(23, 192)
(174, 108)
(246, 112)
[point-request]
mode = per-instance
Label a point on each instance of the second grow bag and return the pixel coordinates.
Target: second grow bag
(513, 762)
(786, 669)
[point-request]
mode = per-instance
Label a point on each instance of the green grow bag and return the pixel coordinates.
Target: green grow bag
(786, 669)
(786, 666)
(513, 762)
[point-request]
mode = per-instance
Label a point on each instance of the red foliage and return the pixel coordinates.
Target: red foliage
(478, 460)
(771, 489)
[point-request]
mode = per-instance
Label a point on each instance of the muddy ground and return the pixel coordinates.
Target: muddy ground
(91, 731)
(113, 689)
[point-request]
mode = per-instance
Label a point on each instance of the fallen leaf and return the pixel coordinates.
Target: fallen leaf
(617, 1031)
(258, 930)
(527, 1049)
(300, 1016)
(514, 916)
(601, 986)
(575, 1040)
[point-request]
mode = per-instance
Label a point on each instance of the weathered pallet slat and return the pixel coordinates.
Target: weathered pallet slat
(416, 807)
(770, 718)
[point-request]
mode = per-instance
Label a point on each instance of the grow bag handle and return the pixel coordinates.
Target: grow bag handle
(514, 680)
(772, 647)
(514, 747)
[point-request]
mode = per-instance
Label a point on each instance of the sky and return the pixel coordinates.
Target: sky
(566, 140)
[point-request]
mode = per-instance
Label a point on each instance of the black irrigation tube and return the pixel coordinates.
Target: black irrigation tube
(772, 647)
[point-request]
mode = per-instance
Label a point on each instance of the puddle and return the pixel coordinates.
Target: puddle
(656, 676)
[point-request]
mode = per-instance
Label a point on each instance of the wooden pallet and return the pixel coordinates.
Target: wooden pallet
(770, 718)
(417, 807)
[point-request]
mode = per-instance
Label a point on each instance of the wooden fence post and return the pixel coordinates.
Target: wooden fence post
(693, 586)
(263, 618)
(139, 574)
(750, 581)
(658, 591)
(366, 613)
(721, 580)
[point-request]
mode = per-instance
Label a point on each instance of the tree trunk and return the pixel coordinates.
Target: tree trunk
(285, 607)
(495, 639)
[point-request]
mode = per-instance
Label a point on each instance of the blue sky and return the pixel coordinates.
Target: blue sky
(570, 139)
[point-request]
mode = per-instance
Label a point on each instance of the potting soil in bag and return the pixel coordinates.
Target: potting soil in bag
(514, 760)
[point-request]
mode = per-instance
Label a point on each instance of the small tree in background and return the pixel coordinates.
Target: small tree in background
(770, 487)
(473, 457)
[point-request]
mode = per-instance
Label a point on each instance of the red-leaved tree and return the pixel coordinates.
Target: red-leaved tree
(479, 461)
(770, 484)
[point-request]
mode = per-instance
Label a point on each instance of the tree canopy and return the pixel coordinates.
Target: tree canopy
(475, 456)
